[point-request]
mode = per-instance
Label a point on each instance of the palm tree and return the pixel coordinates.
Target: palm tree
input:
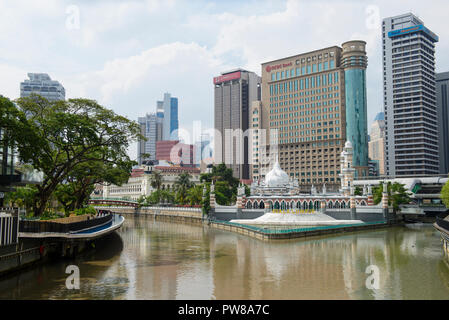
(182, 185)
(156, 180)
(195, 194)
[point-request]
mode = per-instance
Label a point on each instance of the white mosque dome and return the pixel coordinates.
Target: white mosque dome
(276, 177)
(348, 144)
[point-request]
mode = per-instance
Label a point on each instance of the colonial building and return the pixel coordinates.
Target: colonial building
(139, 184)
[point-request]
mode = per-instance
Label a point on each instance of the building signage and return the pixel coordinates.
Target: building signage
(417, 28)
(227, 77)
(278, 66)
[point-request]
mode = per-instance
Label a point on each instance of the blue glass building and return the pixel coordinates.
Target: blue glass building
(354, 62)
(174, 124)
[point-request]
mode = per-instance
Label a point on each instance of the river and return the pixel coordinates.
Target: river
(149, 259)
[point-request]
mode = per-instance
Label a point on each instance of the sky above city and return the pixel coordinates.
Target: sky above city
(126, 54)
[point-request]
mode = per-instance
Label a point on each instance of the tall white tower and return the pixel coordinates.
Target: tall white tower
(347, 170)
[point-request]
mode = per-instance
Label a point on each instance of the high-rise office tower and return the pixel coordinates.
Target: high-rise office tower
(170, 122)
(41, 83)
(233, 94)
(159, 120)
(148, 127)
(316, 101)
(442, 84)
(203, 149)
(376, 145)
(411, 146)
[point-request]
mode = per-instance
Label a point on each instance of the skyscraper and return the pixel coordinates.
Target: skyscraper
(148, 127)
(376, 145)
(233, 94)
(316, 101)
(442, 83)
(170, 123)
(41, 83)
(411, 146)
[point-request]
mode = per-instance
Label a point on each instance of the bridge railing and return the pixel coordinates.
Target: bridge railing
(9, 226)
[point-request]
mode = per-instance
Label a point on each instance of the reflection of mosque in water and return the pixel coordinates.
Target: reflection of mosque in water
(165, 260)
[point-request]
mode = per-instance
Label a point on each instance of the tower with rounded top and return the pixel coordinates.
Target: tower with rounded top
(347, 170)
(354, 61)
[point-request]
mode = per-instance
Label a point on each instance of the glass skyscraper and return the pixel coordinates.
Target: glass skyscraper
(354, 62)
(170, 123)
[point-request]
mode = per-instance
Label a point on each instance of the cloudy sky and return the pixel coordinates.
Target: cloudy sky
(126, 54)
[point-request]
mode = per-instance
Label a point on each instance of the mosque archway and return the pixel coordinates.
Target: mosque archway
(249, 205)
(276, 205)
(262, 205)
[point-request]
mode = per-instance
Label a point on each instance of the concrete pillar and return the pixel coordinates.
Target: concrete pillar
(370, 199)
(323, 206)
(385, 201)
(352, 205)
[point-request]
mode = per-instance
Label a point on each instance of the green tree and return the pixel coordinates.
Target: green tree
(57, 137)
(156, 180)
(22, 197)
(445, 194)
(358, 191)
(75, 192)
(397, 195)
(225, 184)
(182, 185)
(195, 194)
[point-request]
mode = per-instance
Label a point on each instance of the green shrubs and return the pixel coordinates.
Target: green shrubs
(85, 210)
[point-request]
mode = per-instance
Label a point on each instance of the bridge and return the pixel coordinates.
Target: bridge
(114, 202)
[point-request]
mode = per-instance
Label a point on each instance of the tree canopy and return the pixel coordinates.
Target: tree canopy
(397, 195)
(75, 143)
(445, 194)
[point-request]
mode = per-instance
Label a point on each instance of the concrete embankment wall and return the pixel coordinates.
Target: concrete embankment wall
(195, 216)
(184, 215)
(294, 235)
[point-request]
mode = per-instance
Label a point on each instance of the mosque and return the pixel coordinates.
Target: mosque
(278, 193)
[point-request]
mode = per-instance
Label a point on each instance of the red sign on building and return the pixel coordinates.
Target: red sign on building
(278, 66)
(227, 77)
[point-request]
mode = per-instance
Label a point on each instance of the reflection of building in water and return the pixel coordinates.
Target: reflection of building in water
(261, 270)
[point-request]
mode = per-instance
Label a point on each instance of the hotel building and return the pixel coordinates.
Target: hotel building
(411, 146)
(316, 101)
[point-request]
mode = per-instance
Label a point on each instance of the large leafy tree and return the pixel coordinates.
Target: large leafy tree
(80, 183)
(397, 195)
(225, 183)
(445, 194)
(58, 138)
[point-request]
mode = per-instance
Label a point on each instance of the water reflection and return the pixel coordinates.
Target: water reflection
(149, 259)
